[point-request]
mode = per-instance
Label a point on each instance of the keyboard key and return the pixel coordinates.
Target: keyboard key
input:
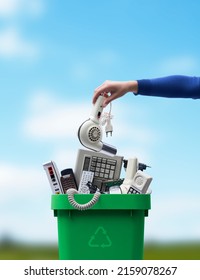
(109, 161)
(111, 175)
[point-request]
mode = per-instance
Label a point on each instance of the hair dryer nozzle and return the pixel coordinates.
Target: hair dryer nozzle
(109, 149)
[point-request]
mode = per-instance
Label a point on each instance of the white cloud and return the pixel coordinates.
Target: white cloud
(12, 44)
(179, 64)
(65, 157)
(25, 203)
(50, 118)
(174, 217)
(22, 180)
(11, 8)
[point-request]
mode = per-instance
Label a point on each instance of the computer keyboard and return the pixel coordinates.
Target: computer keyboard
(104, 167)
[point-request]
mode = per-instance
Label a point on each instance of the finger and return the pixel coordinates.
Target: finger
(106, 94)
(109, 99)
(95, 97)
(102, 89)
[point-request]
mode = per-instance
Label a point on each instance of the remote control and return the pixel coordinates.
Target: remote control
(53, 177)
(87, 176)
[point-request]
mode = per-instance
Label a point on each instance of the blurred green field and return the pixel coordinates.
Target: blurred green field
(28, 252)
(172, 251)
(153, 251)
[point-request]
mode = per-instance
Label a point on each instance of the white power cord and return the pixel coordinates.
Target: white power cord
(106, 120)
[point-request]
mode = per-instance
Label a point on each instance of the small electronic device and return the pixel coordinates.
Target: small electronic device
(106, 185)
(68, 180)
(90, 132)
(115, 190)
(141, 181)
(53, 177)
(103, 166)
(133, 190)
(131, 170)
(86, 177)
(92, 187)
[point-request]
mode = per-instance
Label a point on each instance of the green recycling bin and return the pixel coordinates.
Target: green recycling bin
(112, 229)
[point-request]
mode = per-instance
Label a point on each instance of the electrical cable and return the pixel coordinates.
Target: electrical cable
(106, 120)
(79, 206)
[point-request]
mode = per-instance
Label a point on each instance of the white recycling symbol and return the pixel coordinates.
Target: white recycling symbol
(100, 239)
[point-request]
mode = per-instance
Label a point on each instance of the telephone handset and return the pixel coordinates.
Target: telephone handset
(68, 180)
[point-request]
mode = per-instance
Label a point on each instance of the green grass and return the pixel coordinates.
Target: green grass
(28, 252)
(172, 251)
(153, 251)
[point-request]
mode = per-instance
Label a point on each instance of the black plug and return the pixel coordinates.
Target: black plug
(91, 187)
(142, 166)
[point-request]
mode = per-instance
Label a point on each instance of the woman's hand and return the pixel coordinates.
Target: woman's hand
(114, 89)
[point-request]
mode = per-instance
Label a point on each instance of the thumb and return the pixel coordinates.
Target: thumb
(111, 98)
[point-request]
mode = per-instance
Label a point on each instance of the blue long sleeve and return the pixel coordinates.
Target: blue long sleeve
(175, 86)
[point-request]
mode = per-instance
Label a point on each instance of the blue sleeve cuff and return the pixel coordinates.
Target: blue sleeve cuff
(144, 87)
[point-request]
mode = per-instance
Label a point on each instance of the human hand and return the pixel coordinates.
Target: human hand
(113, 90)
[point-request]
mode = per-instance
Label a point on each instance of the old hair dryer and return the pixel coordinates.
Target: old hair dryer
(90, 132)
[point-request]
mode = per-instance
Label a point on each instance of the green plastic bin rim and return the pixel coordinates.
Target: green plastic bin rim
(105, 202)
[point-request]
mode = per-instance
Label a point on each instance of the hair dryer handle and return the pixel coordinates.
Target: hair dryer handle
(97, 110)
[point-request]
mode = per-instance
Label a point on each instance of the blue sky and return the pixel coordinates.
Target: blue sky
(53, 54)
